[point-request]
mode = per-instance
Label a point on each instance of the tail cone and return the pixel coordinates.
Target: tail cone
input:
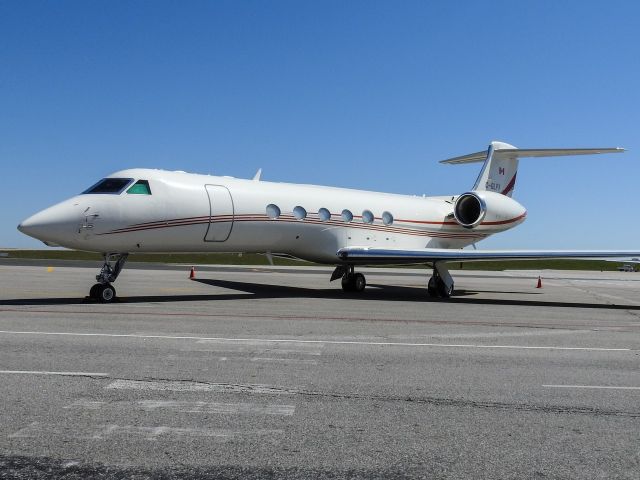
(539, 282)
(192, 274)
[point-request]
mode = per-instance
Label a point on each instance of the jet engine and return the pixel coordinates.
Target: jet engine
(474, 208)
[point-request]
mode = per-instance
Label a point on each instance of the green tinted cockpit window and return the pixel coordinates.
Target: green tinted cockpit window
(141, 187)
(110, 185)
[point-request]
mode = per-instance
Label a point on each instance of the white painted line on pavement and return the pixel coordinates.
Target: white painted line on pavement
(255, 345)
(65, 374)
(537, 333)
(104, 432)
(595, 387)
(284, 360)
(327, 342)
(87, 404)
(191, 386)
(216, 407)
(223, 347)
(242, 408)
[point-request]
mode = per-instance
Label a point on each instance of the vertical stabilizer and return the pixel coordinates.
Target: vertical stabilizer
(499, 171)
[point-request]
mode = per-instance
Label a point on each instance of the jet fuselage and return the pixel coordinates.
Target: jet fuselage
(184, 212)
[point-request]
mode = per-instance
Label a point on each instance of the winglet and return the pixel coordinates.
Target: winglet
(256, 177)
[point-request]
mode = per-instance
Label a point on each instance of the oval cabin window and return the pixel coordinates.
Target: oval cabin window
(300, 213)
(324, 214)
(273, 211)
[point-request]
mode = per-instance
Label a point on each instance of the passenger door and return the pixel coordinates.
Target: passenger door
(221, 213)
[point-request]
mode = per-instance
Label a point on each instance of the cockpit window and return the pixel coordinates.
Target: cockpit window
(141, 187)
(112, 186)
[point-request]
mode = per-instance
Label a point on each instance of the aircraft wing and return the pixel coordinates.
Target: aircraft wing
(369, 255)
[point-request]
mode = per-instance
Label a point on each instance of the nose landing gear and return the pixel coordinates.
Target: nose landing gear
(351, 281)
(103, 291)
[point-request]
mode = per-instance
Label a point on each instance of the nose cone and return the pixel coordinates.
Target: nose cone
(52, 224)
(35, 226)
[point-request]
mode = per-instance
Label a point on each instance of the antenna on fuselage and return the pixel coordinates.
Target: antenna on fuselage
(256, 177)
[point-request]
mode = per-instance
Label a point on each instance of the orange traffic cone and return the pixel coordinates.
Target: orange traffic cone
(192, 274)
(539, 282)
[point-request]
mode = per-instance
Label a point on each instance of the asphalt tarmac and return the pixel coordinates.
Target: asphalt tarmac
(276, 373)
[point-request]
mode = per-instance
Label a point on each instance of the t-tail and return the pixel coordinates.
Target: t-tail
(500, 160)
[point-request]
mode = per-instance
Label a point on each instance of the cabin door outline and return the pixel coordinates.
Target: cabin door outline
(221, 212)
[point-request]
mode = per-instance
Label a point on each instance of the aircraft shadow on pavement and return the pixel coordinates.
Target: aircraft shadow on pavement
(249, 290)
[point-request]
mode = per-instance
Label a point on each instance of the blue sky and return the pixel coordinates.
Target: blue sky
(361, 94)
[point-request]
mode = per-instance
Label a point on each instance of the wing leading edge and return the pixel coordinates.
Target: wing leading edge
(368, 255)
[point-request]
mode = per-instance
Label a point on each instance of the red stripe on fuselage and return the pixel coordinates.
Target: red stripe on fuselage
(503, 222)
(291, 219)
(187, 221)
(510, 185)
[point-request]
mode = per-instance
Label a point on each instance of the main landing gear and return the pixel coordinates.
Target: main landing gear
(351, 281)
(103, 291)
(441, 283)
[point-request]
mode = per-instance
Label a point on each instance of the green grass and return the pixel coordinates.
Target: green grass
(186, 258)
(255, 259)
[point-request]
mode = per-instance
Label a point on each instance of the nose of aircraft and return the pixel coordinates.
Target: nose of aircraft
(33, 226)
(51, 224)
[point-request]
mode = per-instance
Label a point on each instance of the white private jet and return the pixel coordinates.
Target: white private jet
(143, 210)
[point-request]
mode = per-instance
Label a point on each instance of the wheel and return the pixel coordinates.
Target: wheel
(93, 293)
(348, 284)
(432, 288)
(443, 290)
(438, 289)
(359, 282)
(353, 282)
(106, 293)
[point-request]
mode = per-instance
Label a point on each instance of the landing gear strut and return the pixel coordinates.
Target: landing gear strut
(440, 284)
(103, 291)
(351, 281)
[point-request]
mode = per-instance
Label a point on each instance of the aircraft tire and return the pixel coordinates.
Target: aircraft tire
(359, 282)
(348, 285)
(432, 288)
(106, 293)
(443, 291)
(93, 293)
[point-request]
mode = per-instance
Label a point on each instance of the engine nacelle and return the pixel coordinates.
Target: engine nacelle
(482, 207)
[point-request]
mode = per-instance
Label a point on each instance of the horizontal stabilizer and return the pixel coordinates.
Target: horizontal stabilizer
(380, 256)
(529, 152)
(500, 160)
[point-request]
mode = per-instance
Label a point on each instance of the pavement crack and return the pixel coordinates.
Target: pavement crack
(240, 388)
(448, 402)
